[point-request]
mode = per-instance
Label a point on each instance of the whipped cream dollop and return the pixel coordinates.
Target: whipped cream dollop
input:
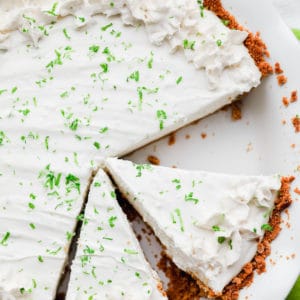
(209, 223)
(184, 24)
(109, 262)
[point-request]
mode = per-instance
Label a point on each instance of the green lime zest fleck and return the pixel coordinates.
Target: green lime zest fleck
(179, 80)
(32, 226)
(221, 239)
(94, 48)
(104, 67)
(225, 22)
(130, 251)
(5, 239)
(97, 145)
(65, 32)
(54, 252)
(178, 183)
(103, 130)
(178, 214)
(190, 197)
(104, 28)
(161, 116)
(74, 125)
(69, 235)
(47, 142)
(53, 9)
(72, 183)
(201, 6)
(219, 43)
(111, 221)
(267, 227)
(134, 76)
(14, 89)
(82, 219)
(189, 44)
(216, 228)
(31, 205)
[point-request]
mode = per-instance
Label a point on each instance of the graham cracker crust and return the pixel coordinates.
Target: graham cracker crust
(256, 46)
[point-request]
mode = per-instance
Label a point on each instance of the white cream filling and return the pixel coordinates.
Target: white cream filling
(208, 222)
(109, 262)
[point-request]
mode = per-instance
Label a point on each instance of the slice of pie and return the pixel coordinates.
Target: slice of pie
(216, 227)
(109, 262)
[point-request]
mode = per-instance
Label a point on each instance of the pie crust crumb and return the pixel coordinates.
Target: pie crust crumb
(281, 79)
(296, 123)
(153, 160)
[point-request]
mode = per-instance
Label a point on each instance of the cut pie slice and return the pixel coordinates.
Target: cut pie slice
(212, 225)
(109, 262)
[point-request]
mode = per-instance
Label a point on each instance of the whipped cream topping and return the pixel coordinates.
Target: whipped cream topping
(109, 262)
(210, 223)
(83, 80)
(184, 24)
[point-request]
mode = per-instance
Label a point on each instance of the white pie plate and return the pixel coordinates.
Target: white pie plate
(257, 144)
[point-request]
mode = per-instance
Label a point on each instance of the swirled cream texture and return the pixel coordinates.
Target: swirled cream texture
(109, 262)
(83, 80)
(184, 24)
(209, 223)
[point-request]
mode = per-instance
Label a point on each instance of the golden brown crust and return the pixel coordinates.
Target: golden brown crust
(256, 47)
(296, 123)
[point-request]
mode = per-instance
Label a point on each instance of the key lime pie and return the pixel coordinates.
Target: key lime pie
(83, 80)
(212, 225)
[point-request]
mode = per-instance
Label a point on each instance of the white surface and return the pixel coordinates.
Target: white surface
(258, 144)
(183, 206)
(289, 11)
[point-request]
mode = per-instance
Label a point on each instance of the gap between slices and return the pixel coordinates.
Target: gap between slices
(65, 275)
